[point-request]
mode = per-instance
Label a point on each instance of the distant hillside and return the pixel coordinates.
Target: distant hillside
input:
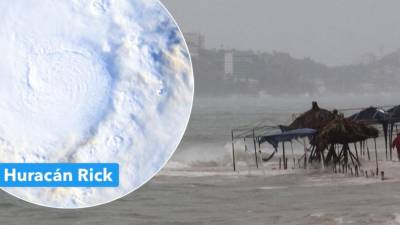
(279, 73)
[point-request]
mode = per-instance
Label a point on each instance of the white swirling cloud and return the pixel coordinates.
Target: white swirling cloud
(91, 81)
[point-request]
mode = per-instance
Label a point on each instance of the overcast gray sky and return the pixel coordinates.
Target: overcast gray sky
(334, 32)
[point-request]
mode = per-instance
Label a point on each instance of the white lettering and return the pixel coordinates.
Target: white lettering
(107, 175)
(82, 175)
(8, 175)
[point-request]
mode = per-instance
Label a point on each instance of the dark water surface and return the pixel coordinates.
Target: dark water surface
(226, 200)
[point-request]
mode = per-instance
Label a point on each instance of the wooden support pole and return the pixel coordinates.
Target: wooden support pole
(355, 147)
(362, 149)
(233, 153)
(255, 148)
(385, 133)
(352, 156)
(346, 154)
(356, 170)
(321, 155)
(390, 141)
(284, 156)
(376, 157)
(305, 154)
(312, 154)
(294, 160)
(287, 163)
(382, 175)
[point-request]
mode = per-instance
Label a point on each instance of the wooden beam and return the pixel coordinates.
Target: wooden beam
(321, 155)
(369, 156)
(233, 153)
(355, 148)
(305, 154)
(376, 157)
(284, 156)
(385, 133)
(390, 141)
(255, 148)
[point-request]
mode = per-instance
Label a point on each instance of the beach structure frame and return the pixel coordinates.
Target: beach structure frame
(271, 134)
(260, 130)
(343, 132)
(387, 117)
(254, 133)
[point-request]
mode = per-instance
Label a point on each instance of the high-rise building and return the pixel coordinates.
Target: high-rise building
(239, 65)
(195, 42)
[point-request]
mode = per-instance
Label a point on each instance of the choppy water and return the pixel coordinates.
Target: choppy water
(207, 138)
(226, 200)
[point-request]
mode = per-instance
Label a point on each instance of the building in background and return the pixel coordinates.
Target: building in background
(239, 66)
(195, 42)
(228, 64)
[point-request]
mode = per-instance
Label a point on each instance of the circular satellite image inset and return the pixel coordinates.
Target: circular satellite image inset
(91, 81)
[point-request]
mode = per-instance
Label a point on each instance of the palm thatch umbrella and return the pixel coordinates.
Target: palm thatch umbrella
(394, 114)
(374, 115)
(342, 131)
(370, 115)
(394, 117)
(315, 118)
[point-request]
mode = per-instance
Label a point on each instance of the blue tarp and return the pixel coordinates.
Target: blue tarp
(274, 139)
(371, 114)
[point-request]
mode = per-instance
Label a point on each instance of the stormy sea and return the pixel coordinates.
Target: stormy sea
(199, 186)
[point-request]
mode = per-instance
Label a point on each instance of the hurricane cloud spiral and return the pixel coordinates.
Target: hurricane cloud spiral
(87, 81)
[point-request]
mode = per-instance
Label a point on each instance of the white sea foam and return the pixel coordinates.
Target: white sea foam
(272, 187)
(91, 81)
(317, 214)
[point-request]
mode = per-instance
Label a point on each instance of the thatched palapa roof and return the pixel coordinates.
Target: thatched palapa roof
(344, 131)
(315, 118)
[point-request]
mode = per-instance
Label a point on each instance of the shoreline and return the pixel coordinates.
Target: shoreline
(312, 177)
